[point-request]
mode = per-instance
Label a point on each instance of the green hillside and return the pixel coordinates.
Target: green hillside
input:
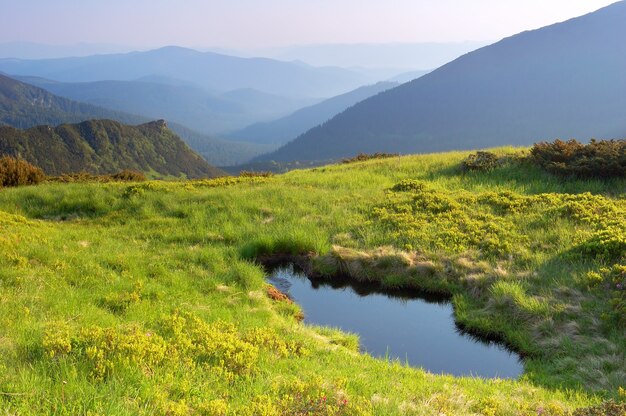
(24, 106)
(105, 146)
(121, 299)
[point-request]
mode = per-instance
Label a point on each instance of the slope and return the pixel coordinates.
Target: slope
(566, 80)
(23, 106)
(151, 302)
(105, 146)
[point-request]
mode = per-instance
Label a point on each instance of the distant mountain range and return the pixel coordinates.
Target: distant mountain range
(175, 101)
(425, 55)
(208, 70)
(282, 130)
(33, 50)
(563, 81)
(23, 106)
(105, 146)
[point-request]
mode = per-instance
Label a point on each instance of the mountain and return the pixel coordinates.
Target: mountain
(188, 105)
(23, 106)
(105, 146)
(567, 80)
(286, 128)
(206, 69)
(32, 50)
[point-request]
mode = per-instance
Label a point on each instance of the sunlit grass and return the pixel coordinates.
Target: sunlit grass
(145, 298)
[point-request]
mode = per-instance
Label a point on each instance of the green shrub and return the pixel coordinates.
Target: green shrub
(120, 302)
(252, 174)
(481, 162)
(17, 171)
(409, 185)
(615, 283)
(128, 175)
(362, 157)
(608, 242)
(599, 158)
(74, 177)
(605, 409)
(414, 214)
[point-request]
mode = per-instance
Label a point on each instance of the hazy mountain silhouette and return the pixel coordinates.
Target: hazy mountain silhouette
(105, 146)
(33, 50)
(188, 105)
(293, 125)
(562, 81)
(206, 69)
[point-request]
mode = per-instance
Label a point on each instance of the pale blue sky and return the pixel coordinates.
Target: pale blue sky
(263, 23)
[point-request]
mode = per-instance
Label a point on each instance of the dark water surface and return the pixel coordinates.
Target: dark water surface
(420, 330)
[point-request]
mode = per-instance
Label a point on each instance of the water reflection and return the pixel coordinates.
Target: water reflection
(417, 328)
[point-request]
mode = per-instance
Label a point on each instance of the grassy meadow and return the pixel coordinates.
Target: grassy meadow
(145, 298)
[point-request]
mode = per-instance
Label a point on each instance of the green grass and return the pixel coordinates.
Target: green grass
(145, 298)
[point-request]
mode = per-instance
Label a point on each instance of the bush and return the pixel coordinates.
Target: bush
(74, 177)
(599, 159)
(128, 175)
(605, 409)
(410, 185)
(252, 174)
(480, 162)
(362, 157)
(17, 171)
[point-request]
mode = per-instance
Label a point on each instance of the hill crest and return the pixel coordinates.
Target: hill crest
(104, 147)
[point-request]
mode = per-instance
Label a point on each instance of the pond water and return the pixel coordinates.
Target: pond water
(416, 329)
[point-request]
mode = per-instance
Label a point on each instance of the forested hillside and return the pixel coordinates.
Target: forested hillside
(105, 146)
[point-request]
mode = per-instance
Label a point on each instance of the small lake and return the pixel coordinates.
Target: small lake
(416, 329)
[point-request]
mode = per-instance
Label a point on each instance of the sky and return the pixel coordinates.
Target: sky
(274, 23)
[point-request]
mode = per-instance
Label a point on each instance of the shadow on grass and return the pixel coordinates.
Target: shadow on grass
(527, 178)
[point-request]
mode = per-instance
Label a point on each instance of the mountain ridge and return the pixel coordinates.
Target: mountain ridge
(564, 80)
(104, 147)
(207, 69)
(23, 105)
